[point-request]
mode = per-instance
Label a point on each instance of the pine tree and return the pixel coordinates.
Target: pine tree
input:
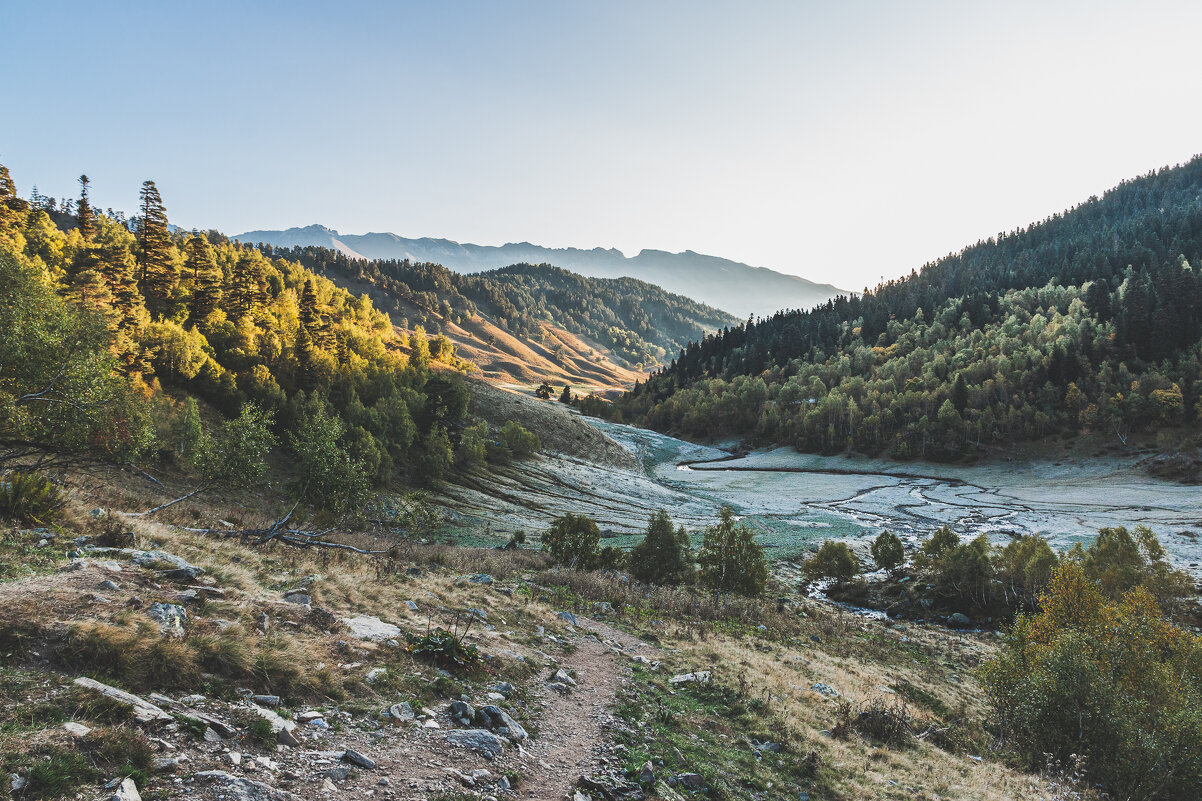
(83, 211)
(310, 317)
(156, 271)
(248, 292)
(200, 264)
(730, 558)
(664, 555)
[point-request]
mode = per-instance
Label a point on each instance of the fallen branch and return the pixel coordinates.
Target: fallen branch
(277, 532)
(181, 499)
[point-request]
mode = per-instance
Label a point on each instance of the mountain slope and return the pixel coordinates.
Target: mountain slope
(732, 286)
(1087, 321)
(632, 322)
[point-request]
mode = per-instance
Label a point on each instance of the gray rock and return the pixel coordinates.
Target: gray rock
(411, 606)
(402, 711)
(375, 674)
(647, 774)
(499, 721)
(480, 578)
(699, 676)
(272, 701)
(235, 788)
(483, 742)
(355, 758)
(299, 597)
(142, 710)
(166, 764)
(959, 619)
(563, 677)
(170, 617)
(76, 729)
(603, 608)
(568, 617)
(462, 713)
(504, 688)
(126, 791)
(340, 773)
(109, 584)
(366, 627)
(478, 613)
(689, 781)
(285, 730)
(824, 690)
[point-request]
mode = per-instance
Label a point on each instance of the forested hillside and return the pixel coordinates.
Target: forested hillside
(112, 329)
(1088, 320)
(639, 322)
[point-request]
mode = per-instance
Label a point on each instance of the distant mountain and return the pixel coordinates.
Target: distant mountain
(729, 285)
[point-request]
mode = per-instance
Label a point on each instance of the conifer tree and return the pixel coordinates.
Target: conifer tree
(247, 290)
(83, 211)
(156, 271)
(200, 264)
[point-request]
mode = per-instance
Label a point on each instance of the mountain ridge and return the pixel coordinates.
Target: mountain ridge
(741, 289)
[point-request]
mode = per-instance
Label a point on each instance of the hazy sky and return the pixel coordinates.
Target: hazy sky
(840, 141)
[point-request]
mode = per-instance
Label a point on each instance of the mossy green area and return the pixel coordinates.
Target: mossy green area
(711, 730)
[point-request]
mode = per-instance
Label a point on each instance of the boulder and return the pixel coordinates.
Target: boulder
(142, 710)
(563, 677)
(478, 740)
(567, 617)
(824, 690)
(498, 720)
(402, 711)
(462, 713)
(366, 627)
(959, 619)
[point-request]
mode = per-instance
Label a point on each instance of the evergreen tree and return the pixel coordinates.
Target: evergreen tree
(200, 265)
(83, 211)
(566, 395)
(248, 291)
(730, 558)
(157, 277)
(664, 556)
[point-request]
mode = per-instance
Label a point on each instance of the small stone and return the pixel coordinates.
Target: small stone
(478, 740)
(339, 773)
(170, 617)
(699, 676)
(126, 791)
(402, 711)
(563, 677)
(355, 758)
(375, 674)
(234, 758)
(567, 617)
(383, 782)
(109, 584)
(266, 700)
(690, 781)
(76, 729)
(411, 606)
(824, 690)
(647, 774)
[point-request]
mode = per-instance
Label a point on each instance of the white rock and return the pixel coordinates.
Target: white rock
(366, 627)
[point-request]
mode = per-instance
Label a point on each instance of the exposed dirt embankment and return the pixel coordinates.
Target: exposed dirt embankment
(556, 426)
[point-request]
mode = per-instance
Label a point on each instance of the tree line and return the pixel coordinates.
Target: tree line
(1087, 320)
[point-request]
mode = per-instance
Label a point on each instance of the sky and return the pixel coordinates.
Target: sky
(844, 142)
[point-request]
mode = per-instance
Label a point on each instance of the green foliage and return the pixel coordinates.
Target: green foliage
(730, 559)
(28, 498)
(473, 445)
(887, 551)
(1108, 680)
(326, 474)
(1085, 321)
(572, 541)
(518, 440)
(665, 555)
(435, 457)
(58, 385)
(236, 455)
(444, 649)
(834, 560)
(1120, 560)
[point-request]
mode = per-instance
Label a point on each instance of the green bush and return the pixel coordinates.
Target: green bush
(28, 498)
(444, 649)
(327, 476)
(664, 556)
(887, 551)
(834, 560)
(572, 541)
(519, 441)
(730, 559)
(1110, 681)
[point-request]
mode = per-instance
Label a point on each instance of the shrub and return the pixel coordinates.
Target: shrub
(326, 474)
(29, 498)
(1108, 680)
(664, 556)
(519, 441)
(730, 558)
(887, 551)
(834, 560)
(572, 541)
(444, 649)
